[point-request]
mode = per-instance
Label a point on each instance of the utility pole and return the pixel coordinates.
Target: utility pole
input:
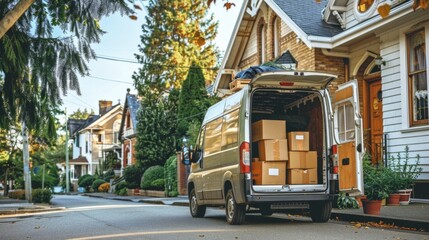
(67, 157)
(25, 154)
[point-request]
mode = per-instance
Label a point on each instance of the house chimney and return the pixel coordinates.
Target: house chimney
(104, 106)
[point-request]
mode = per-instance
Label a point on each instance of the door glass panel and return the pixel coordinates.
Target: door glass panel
(346, 129)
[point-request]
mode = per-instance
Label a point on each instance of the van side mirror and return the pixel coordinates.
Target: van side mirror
(196, 156)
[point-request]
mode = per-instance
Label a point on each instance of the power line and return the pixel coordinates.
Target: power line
(90, 106)
(116, 59)
(109, 80)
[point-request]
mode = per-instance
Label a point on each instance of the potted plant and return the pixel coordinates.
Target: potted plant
(376, 179)
(405, 173)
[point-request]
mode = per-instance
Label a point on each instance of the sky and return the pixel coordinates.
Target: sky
(109, 80)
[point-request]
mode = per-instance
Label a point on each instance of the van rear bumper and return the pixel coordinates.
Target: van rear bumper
(289, 198)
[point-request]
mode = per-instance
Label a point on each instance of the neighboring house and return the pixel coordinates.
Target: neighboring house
(350, 39)
(128, 129)
(93, 138)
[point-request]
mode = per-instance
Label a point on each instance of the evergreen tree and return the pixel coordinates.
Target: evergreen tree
(175, 34)
(156, 127)
(79, 114)
(193, 101)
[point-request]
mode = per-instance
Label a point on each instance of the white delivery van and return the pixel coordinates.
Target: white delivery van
(226, 165)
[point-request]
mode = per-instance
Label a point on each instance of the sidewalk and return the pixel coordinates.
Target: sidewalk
(415, 215)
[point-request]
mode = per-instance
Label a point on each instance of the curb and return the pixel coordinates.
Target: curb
(30, 210)
(400, 222)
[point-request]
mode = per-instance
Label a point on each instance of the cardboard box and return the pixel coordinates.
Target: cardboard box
(302, 176)
(298, 141)
(268, 129)
(273, 150)
(269, 173)
(302, 160)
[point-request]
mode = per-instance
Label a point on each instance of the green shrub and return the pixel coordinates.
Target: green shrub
(42, 195)
(109, 175)
(150, 175)
(170, 173)
(96, 184)
(86, 181)
(132, 175)
(104, 187)
(158, 184)
(123, 192)
(17, 194)
(120, 186)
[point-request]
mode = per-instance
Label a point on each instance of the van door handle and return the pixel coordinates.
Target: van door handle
(345, 161)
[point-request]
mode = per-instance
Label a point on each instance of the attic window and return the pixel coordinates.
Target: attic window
(365, 5)
(364, 9)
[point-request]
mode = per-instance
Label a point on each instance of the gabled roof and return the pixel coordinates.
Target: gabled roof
(132, 104)
(75, 125)
(102, 119)
(307, 15)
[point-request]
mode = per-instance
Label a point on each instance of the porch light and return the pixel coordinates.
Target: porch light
(379, 61)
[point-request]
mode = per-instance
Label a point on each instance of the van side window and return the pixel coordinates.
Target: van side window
(346, 127)
(213, 138)
(230, 130)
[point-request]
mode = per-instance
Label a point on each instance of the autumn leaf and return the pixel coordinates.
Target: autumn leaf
(133, 17)
(201, 41)
(228, 5)
(136, 6)
(210, 2)
(318, 1)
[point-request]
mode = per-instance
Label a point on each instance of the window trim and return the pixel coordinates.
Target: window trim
(407, 124)
(410, 74)
(363, 16)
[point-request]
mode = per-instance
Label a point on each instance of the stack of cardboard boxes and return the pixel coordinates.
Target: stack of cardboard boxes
(282, 161)
(302, 164)
(270, 167)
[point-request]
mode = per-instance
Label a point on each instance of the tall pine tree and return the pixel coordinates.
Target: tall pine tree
(175, 34)
(193, 101)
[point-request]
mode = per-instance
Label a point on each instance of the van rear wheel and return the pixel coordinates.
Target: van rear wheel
(320, 211)
(235, 213)
(197, 211)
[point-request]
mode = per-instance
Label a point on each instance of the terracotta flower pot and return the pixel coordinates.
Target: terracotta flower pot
(405, 195)
(393, 199)
(371, 206)
(359, 199)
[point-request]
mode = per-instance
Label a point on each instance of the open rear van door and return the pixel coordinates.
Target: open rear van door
(349, 137)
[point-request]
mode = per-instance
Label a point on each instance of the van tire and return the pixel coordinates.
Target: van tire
(235, 213)
(197, 211)
(320, 211)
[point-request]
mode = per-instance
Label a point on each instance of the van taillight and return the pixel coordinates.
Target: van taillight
(244, 157)
(334, 159)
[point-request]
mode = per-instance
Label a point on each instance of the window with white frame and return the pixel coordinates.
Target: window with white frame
(276, 37)
(346, 128)
(417, 77)
(363, 9)
(116, 126)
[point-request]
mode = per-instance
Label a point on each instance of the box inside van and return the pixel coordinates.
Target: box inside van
(301, 112)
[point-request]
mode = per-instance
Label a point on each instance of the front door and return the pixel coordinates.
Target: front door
(375, 112)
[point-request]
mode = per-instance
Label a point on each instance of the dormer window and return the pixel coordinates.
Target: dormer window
(364, 9)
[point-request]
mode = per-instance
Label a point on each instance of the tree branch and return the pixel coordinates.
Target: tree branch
(13, 15)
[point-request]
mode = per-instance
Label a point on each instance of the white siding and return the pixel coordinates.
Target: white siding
(399, 137)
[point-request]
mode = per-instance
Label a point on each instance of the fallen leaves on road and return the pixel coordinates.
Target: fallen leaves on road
(380, 224)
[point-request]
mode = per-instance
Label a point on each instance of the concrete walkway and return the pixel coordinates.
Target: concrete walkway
(415, 215)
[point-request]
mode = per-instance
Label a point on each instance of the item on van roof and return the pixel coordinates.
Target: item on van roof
(269, 173)
(273, 150)
(238, 84)
(252, 71)
(302, 176)
(268, 129)
(300, 159)
(298, 141)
